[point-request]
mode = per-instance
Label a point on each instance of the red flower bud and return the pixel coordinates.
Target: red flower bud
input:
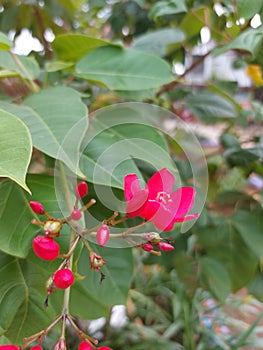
(9, 347)
(76, 214)
(63, 278)
(103, 235)
(147, 247)
(81, 189)
(165, 246)
(104, 348)
(37, 347)
(37, 207)
(85, 346)
(45, 248)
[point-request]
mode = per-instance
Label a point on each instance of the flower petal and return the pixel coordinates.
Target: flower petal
(182, 201)
(136, 204)
(131, 186)
(187, 217)
(161, 181)
(163, 218)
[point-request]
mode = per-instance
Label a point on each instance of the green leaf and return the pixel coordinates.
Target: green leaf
(248, 8)
(16, 149)
(215, 278)
(225, 244)
(5, 42)
(99, 298)
(71, 47)
(157, 42)
(119, 135)
(210, 105)
(124, 69)
(16, 214)
(250, 225)
(249, 40)
(50, 115)
(167, 7)
(193, 21)
(22, 290)
(30, 64)
(55, 66)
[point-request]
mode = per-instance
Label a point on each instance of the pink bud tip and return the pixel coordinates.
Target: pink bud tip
(103, 235)
(147, 247)
(85, 346)
(63, 278)
(165, 246)
(104, 348)
(76, 214)
(81, 189)
(37, 347)
(37, 207)
(9, 347)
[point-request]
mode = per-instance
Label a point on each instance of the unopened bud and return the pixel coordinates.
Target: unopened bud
(165, 246)
(96, 261)
(103, 235)
(37, 207)
(61, 345)
(81, 189)
(147, 247)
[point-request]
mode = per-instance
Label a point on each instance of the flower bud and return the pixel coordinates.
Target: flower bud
(63, 278)
(9, 347)
(84, 346)
(37, 207)
(103, 235)
(96, 261)
(152, 237)
(37, 347)
(52, 228)
(81, 189)
(104, 348)
(147, 247)
(75, 214)
(45, 248)
(165, 246)
(61, 345)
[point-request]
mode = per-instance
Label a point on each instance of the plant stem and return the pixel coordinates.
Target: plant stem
(189, 342)
(29, 80)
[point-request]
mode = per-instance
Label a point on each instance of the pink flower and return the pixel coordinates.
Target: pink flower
(157, 203)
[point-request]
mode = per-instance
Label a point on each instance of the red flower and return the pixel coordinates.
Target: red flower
(157, 203)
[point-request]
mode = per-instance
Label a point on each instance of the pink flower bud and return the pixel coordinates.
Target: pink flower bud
(103, 235)
(147, 247)
(76, 214)
(37, 207)
(165, 246)
(63, 278)
(9, 347)
(61, 345)
(37, 347)
(81, 189)
(45, 248)
(104, 348)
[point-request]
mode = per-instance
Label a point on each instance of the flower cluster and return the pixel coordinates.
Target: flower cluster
(156, 203)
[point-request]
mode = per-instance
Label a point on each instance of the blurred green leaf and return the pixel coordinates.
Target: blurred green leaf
(167, 7)
(248, 8)
(249, 40)
(16, 149)
(5, 42)
(30, 64)
(215, 278)
(124, 69)
(209, 105)
(225, 244)
(250, 225)
(157, 41)
(72, 47)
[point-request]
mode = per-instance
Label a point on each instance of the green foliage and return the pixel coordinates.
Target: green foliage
(55, 130)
